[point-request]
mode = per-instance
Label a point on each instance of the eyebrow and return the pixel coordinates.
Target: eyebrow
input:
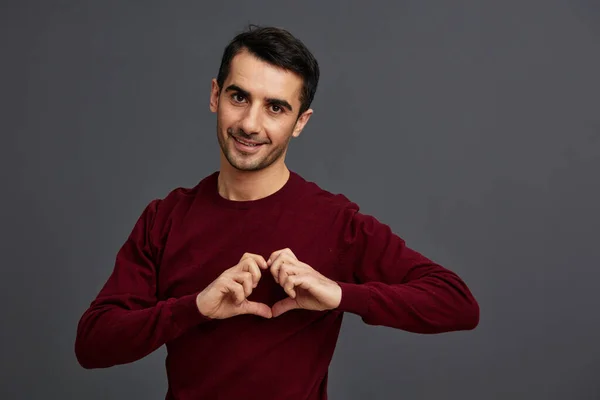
(273, 101)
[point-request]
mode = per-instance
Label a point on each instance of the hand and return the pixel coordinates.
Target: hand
(307, 288)
(227, 295)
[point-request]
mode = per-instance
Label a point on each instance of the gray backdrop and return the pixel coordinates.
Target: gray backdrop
(471, 127)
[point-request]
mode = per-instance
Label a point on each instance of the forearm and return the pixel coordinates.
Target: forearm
(387, 283)
(434, 303)
(110, 333)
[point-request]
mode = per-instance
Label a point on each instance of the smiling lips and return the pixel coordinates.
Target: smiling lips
(247, 144)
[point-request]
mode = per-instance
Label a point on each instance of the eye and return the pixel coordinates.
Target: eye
(276, 109)
(238, 98)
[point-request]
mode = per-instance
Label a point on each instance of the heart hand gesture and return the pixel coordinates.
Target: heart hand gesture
(227, 295)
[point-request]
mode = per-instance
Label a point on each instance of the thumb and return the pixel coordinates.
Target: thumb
(284, 305)
(253, 307)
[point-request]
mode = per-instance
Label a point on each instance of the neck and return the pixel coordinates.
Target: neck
(251, 185)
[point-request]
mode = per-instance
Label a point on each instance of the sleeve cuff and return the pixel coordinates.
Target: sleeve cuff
(355, 298)
(184, 312)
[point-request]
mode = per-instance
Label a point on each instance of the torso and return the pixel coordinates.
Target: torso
(284, 357)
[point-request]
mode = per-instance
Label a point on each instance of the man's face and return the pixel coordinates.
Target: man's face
(257, 112)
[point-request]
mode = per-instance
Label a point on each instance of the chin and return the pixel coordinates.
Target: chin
(242, 163)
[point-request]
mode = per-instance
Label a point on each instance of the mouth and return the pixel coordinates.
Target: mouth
(246, 146)
(246, 142)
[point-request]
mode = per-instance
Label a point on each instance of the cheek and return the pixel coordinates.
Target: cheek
(279, 130)
(226, 116)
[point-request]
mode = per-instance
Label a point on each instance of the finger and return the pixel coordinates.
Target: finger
(260, 309)
(272, 257)
(276, 266)
(288, 284)
(277, 253)
(283, 306)
(282, 259)
(251, 266)
(237, 291)
(304, 281)
(260, 260)
(245, 279)
(281, 252)
(286, 270)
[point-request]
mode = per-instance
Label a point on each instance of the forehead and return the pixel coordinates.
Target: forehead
(262, 79)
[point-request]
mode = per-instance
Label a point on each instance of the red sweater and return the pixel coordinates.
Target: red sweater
(183, 242)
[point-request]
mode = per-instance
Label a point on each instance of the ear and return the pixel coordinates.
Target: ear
(301, 123)
(214, 95)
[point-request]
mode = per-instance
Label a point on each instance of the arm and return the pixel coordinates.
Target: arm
(390, 284)
(126, 322)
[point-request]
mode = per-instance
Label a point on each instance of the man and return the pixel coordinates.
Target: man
(245, 277)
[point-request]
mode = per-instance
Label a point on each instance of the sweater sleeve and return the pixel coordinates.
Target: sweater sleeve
(393, 285)
(126, 322)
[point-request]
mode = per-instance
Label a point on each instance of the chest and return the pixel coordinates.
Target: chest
(197, 250)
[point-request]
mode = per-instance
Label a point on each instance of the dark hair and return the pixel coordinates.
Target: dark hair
(277, 47)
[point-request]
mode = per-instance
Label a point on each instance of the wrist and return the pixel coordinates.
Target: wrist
(200, 305)
(337, 296)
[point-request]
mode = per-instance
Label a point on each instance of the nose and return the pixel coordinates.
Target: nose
(251, 120)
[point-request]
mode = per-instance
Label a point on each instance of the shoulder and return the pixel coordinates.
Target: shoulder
(337, 210)
(176, 201)
(324, 201)
(337, 214)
